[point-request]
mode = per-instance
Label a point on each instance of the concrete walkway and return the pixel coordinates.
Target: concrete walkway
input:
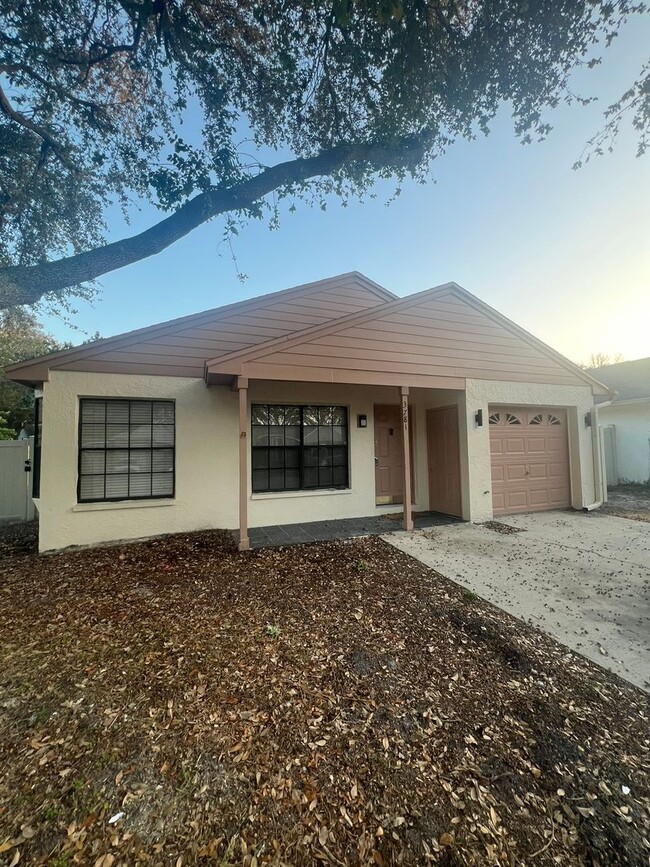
(582, 578)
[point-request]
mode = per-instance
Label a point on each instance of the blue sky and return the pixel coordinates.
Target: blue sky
(563, 253)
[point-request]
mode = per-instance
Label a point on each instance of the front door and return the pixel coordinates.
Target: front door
(443, 448)
(389, 455)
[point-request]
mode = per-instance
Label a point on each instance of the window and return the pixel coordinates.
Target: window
(299, 447)
(126, 450)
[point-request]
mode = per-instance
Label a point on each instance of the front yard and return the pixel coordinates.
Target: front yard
(174, 702)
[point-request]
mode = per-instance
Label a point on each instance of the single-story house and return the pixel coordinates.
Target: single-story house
(335, 399)
(625, 421)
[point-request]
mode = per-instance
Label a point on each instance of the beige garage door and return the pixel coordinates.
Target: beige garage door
(530, 459)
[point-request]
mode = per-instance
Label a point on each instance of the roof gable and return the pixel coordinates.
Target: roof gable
(442, 332)
(181, 346)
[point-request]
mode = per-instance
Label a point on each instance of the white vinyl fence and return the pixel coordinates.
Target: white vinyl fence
(15, 484)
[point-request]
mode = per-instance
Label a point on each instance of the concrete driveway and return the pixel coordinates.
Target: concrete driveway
(582, 578)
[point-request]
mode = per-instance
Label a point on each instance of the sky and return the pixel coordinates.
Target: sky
(563, 253)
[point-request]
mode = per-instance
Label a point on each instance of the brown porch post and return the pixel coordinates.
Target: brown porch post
(408, 517)
(242, 387)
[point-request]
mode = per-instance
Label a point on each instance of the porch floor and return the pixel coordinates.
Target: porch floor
(343, 528)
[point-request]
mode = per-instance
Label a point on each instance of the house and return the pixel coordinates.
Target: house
(297, 405)
(625, 421)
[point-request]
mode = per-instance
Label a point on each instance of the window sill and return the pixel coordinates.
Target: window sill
(285, 495)
(122, 504)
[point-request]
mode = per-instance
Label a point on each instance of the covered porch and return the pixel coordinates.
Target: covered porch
(343, 528)
(400, 456)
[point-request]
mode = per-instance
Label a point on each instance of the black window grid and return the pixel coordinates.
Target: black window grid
(128, 447)
(316, 464)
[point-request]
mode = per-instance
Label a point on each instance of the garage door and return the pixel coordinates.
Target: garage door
(530, 460)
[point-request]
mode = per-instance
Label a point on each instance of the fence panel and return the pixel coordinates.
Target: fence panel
(15, 484)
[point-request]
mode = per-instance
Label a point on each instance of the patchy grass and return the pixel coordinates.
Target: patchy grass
(379, 720)
(631, 501)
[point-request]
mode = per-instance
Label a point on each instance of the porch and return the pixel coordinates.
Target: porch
(320, 461)
(344, 528)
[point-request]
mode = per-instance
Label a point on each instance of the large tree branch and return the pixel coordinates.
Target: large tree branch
(27, 284)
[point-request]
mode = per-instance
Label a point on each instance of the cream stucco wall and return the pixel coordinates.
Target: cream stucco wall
(631, 422)
(207, 454)
(480, 394)
(206, 475)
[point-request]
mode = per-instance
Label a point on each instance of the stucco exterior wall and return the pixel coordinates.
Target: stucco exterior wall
(206, 475)
(207, 454)
(480, 394)
(632, 436)
(207, 458)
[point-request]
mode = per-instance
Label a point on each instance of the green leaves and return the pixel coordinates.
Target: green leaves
(105, 102)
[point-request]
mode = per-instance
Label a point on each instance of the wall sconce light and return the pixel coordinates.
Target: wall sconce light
(362, 421)
(588, 419)
(478, 418)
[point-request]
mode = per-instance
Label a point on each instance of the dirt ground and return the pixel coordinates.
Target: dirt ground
(629, 501)
(176, 703)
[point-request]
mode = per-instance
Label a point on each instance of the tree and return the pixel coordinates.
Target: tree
(21, 337)
(601, 359)
(6, 433)
(328, 95)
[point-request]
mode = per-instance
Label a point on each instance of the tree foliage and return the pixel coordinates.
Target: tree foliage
(21, 338)
(99, 101)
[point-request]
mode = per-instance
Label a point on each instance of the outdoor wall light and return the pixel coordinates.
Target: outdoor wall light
(588, 419)
(478, 418)
(362, 421)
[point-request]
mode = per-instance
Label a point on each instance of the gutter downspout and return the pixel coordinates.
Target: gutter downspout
(599, 481)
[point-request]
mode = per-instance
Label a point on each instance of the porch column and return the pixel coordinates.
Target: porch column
(242, 388)
(408, 517)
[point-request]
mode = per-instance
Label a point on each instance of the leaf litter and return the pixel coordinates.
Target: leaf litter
(148, 715)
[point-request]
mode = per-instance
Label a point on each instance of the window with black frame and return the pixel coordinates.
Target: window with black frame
(126, 449)
(299, 447)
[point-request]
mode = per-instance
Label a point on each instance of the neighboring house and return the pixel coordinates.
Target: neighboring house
(625, 422)
(296, 406)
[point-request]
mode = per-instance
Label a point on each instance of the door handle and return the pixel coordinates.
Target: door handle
(376, 462)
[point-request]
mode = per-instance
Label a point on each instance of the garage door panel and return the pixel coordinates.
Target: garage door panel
(514, 446)
(514, 472)
(530, 466)
(539, 499)
(538, 471)
(498, 473)
(536, 445)
(515, 500)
